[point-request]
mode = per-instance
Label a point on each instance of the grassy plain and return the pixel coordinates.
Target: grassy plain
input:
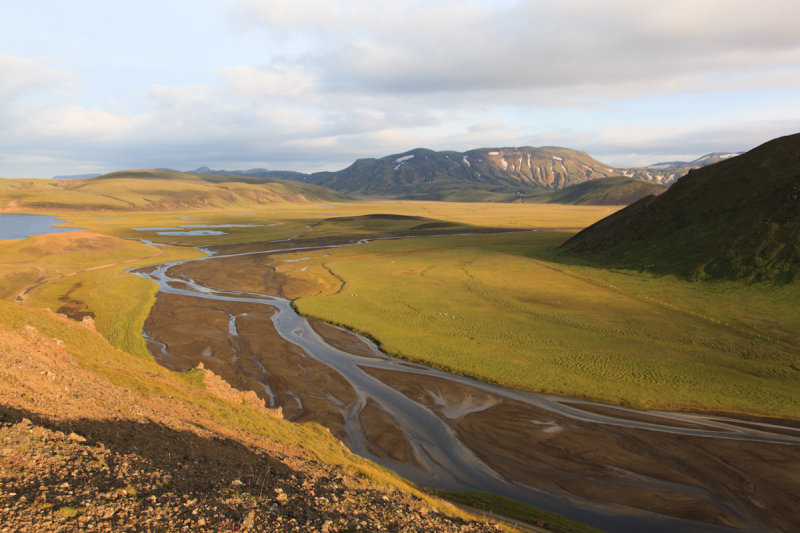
(311, 220)
(89, 267)
(502, 309)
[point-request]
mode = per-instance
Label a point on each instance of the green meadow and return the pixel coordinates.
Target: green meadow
(88, 268)
(501, 308)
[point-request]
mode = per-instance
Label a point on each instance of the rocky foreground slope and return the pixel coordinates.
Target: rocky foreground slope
(96, 446)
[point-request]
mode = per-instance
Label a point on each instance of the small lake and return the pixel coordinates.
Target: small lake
(186, 229)
(21, 226)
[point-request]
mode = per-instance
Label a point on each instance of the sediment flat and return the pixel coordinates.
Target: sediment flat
(623, 467)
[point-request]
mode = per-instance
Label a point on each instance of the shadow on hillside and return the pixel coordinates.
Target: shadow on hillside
(195, 464)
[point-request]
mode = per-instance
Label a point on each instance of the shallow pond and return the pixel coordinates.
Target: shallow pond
(21, 226)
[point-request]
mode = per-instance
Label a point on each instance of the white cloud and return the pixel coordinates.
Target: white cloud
(456, 45)
(290, 83)
(312, 83)
(21, 77)
(640, 144)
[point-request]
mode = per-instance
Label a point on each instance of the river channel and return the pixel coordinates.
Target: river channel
(614, 468)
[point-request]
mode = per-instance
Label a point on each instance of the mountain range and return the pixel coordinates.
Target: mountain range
(739, 219)
(703, 161)
(485, 174)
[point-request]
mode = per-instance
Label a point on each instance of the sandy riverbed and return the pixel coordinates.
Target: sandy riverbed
(727, 482)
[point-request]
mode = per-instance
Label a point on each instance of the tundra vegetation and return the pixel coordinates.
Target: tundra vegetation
(501, 309)
(502, 306)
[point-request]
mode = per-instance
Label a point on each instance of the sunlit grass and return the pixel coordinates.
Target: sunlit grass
(496, 308)
(506, 507)
(90, 268)
(153, 190)
(283, 220)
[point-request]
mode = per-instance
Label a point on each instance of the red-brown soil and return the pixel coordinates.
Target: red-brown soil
(78, 452)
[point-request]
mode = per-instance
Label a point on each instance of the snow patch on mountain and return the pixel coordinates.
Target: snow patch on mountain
(401, 160)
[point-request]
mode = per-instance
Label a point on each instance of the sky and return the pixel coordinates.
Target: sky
(94, 86)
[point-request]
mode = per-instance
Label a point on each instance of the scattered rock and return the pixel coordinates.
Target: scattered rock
(102, 458)
(75, 437)
(249, 520)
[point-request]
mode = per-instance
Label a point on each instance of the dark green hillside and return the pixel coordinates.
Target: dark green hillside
(487, 174)
(608, 191)
(739, 218)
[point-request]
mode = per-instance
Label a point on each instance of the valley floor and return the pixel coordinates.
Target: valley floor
(493, 306)
(614, 468)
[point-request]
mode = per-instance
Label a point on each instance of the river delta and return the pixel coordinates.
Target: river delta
(612, 467)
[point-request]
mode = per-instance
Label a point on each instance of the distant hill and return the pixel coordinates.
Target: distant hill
(609, 191)
(668, 172)
(702, 161)
(739, 218)
(252, 173)
(156, 189)
(494, 174)
(75, 176)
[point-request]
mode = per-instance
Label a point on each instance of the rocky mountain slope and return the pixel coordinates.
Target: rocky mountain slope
(667, 173)
(95, 439)
(487, 173)
(739, 218)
